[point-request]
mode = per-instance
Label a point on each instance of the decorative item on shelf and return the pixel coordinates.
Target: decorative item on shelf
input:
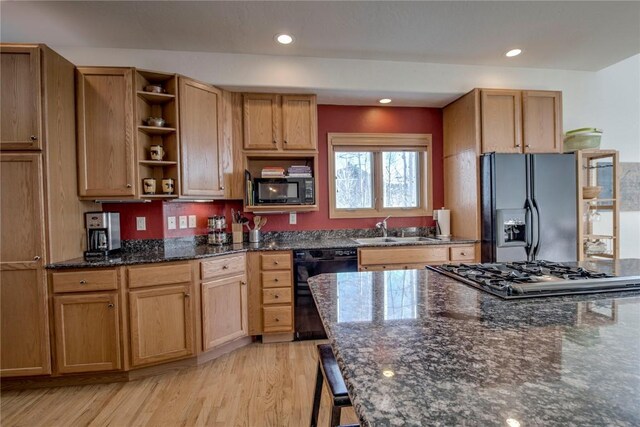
(217, 230)
(149, 186)
(154, 89)
(582, 139)
(157, 152)
(154, 121)
(167, 186)
(272, 172)
(595, 247)
(591, 192)
(299, 171)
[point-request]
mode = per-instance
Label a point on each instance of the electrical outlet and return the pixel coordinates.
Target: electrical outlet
(141, 223)
(192, 221)
(183, 221)
(171, 222)
(293, 218)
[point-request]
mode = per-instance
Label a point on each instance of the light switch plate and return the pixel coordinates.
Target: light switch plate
(293, 218)
(171, 222)
(192, 221)
(183, 221)
(141, 223)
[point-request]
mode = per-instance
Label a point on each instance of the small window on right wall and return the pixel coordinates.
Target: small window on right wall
(373, 175)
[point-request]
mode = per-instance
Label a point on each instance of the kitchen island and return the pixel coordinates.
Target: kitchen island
(418, 348)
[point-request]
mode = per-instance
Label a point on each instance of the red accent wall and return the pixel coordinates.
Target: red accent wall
(331, 118)
(361, 119)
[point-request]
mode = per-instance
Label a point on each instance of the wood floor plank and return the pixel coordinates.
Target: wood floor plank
(258, 385)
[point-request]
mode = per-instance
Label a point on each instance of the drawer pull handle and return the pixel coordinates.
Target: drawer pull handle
(110, 305)
(225, 267)
(83, 282)
(36, 258)
(33, 138)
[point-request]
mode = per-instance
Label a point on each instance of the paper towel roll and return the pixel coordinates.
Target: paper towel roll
(443, 227)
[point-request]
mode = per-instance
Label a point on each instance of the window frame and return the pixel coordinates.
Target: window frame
(377, 143)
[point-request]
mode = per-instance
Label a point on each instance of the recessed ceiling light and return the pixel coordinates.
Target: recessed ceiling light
(513, 52)
(384, 101)
(284, 38)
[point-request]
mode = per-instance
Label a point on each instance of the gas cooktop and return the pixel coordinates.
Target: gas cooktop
(536, 279)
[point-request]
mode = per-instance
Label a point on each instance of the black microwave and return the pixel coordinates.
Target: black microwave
(284, 191)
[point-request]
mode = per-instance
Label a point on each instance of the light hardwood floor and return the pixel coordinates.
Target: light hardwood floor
(258, 385)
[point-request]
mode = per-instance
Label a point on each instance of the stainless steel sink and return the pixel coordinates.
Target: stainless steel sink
(383, 240)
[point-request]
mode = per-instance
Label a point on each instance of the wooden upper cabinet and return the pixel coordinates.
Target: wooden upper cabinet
(261, 121)
(200, 107)
(299, 123)
(280, 122)
(501, 121)
(20, 100)
(106, 132)
(87, 333)
(542, 121)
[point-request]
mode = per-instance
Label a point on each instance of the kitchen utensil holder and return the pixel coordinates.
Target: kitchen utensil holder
(254, 236)
(236, 233)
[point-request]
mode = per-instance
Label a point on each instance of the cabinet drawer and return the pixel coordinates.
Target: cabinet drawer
(159, 275)
(463, 253)
(222, 267)
(276, 279)
(276, 261)
(404, 255)
(86, 280)
(277, 319)
(385, 267)
(276, 296)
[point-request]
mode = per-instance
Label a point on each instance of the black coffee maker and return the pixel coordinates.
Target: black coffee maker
(103, 234)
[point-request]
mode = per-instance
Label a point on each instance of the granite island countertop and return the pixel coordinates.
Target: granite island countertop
(418, 348)
(180, 252)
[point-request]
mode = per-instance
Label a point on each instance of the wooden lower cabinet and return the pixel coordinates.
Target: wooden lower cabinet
(24, 323)
(224, 311)
(87, 332)
(161, 324)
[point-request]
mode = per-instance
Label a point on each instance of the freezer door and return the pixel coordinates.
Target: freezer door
(505, 218)
(554, 199)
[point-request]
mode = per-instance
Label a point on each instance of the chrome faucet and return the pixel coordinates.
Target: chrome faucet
(383, 226)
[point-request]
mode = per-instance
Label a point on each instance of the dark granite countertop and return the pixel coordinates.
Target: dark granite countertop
(154, 254)
(418, 348)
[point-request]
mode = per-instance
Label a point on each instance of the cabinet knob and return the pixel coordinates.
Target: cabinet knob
(36, 258)
(128, 185)
(285, 141)
(110, 305)
(276, 296)
(462, 253)
(186, 295)
(243, 283)
(33, 138)
(83, 282)
(276, 280)
(384, 266)
(275, 142)
(275, 262)
(518, 145)
(225, 267)
(277, 320)
(527, 145)
(222, 187)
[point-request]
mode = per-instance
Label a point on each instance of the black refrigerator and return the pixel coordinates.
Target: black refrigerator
(528, 207)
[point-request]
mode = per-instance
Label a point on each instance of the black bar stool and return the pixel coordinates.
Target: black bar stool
(328, 370)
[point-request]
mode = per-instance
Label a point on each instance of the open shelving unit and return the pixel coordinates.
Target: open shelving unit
(598, 218)
(254, 162)
(164, 105)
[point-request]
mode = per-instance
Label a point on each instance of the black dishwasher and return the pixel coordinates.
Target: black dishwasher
(309, 263)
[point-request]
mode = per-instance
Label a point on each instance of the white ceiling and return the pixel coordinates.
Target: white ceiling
(569, 35)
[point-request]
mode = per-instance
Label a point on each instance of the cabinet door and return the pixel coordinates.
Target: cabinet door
(24, 321)
(87, 333)
(161, 324)
(261, 121)
(224, 311)
(299, 122)
(542, 121)
(501, 121)
(200, 105)
(104, 102)
(20, 103)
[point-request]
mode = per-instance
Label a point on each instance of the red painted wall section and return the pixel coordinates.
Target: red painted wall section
(331, 118)
(360, 119)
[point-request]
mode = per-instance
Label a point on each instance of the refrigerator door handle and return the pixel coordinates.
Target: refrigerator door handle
(536, 230)
(529, 229)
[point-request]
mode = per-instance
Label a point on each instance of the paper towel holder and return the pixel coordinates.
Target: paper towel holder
(442, 217)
